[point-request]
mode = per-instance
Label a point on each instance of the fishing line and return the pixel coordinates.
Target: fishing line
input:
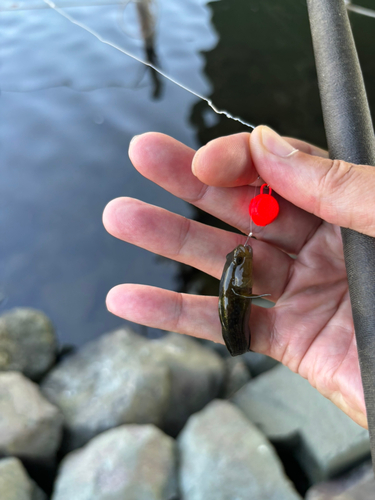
(359, 10)
(71, 19)
(93, 3)
(251, 222)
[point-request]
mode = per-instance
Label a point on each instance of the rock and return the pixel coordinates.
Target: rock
(124, 378)
(258, 363)
(27, 342)
(132, 462)
(109, 382)
(196, 373)
(290, 411)
(215, 346)
(15, 484)
(237, 375)
(359, 484)
(30, 426)
(223, 456)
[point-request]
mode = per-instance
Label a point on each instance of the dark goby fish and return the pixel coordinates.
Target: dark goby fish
(235, 296)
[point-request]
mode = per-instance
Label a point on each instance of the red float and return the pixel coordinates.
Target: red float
(263, 208)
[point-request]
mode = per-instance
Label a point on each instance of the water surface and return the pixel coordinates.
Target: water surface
(70, 105)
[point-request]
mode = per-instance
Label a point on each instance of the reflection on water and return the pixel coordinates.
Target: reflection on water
(70, 105)
(146, 16)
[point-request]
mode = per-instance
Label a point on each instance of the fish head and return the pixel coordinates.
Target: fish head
(242, 266)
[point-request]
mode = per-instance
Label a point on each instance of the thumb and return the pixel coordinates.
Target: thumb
(336, 191)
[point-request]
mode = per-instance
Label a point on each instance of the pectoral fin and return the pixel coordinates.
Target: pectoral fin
(251, 296)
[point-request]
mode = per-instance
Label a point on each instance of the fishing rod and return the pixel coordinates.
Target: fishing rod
(350, 137)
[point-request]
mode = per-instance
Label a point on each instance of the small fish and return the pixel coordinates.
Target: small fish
(235, 296)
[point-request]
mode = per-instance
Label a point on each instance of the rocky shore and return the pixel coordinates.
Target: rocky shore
(125, 417)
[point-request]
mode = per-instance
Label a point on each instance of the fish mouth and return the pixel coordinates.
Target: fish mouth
(244, 252)
(245, 249)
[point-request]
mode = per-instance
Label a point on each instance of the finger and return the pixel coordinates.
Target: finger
(306, 147)
(178, 312)
(227, 161)
(192, 243)
(157, 308)
(167, 162)
(198, 316)
(335, 191)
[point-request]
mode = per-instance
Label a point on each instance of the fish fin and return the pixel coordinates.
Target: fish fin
(259, 296)
(251, 296)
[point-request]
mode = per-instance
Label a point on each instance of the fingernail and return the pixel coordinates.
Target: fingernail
(275, 144)
(195, 159)
(133, 140)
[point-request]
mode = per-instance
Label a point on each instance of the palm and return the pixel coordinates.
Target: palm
(310, 328)
(313, 327)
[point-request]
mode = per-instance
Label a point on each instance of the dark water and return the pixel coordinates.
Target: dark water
(70, 104)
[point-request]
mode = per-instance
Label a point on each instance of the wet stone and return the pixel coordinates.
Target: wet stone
(359, 484)
(223, 456)
(291, 412)
(258, 363)
(27, 342)
(30, 426)
(196, 375)
(124, 378)
(108, 382)
(133, 462)
(15, 484)
(237, 375)
(215, 346)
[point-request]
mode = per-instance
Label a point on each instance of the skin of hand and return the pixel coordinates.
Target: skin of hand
(298, 258)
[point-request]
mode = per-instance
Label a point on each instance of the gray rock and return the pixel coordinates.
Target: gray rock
(109, 382)
(15, 484)
(258, 363)
(27, 342)
(289, 410)
(223, 456)
(359, 484)
(197, 376)
(237, 375)
(30, 426)
(132, 462)
(220, 349)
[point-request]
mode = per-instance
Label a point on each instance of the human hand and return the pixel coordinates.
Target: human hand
(310, 328)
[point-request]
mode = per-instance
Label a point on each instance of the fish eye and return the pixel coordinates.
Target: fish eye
(239, 260)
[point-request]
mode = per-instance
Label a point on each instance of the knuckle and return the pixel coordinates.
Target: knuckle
(183, 237)
(334, 182)
(178, 311)
(199, 195)
(336, 177)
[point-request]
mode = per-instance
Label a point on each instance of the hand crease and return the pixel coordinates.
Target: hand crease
(339, 302)
(184, 235)
(200, 196)
(179, 306)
